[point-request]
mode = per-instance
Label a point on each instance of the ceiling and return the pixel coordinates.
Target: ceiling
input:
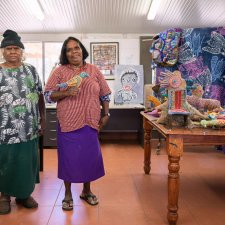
(109, 16)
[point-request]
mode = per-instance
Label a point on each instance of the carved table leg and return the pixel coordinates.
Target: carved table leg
(147, 146)
(175, 150)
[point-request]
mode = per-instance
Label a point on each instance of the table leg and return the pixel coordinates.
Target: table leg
(147, 145)
(175, 150)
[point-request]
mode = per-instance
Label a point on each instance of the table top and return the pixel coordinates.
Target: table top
(111, 106)
(190, 135)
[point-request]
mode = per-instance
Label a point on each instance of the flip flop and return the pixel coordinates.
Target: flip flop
(67, 204)
(89, 198)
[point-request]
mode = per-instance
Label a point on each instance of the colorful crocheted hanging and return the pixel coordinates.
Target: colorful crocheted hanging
(165, 47)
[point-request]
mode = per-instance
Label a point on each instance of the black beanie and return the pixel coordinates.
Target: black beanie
(11, 38)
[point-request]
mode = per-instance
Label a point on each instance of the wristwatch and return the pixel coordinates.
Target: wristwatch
(107, 114)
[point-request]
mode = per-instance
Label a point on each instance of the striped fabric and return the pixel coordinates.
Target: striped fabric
(84, 109)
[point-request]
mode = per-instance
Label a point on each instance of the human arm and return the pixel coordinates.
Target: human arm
(104, 97)
(52, 92)
(41, 107)
(41, 101)
(59, 95)
(105, 108)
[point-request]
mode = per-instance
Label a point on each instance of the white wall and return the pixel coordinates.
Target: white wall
(129, 47)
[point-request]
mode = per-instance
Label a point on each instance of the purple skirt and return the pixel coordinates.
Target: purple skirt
(79, 155)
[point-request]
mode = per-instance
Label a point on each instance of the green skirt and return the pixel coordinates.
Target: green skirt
(19, 168)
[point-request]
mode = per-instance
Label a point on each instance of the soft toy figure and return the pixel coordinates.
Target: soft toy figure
(217, 123)
(202, 104)
(74, 81)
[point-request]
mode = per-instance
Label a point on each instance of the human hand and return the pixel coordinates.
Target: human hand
(72, 91)
(43, 126)
(103, 121)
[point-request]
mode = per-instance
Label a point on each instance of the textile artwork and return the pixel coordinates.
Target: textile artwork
(201, 61)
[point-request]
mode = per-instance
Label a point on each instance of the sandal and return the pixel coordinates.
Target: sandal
(5, 207)
(27, 202)
(67, 204)
(89, 198)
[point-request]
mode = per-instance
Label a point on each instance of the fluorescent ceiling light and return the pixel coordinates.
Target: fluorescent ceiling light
(153, 9)
(35, 8)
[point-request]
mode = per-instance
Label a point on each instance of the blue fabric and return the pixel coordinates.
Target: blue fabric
(105, 98)
(201, 60)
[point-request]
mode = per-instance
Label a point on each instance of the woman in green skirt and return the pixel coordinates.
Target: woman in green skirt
(22, 119)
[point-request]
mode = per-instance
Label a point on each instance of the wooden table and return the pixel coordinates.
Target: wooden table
(175, 140)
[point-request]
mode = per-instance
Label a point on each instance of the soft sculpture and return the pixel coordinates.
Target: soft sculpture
(176, 106)
(217, 123)
(74, 81)
(202, 104)
(155, 101)
(194, 113)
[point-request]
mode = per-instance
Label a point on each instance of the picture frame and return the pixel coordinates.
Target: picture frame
(105, 55)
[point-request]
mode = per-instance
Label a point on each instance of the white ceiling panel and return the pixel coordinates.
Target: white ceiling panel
(109, 16)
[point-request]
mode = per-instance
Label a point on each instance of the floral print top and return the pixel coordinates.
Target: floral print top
(19, 95)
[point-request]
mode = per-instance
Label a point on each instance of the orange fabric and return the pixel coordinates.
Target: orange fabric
(84, 109)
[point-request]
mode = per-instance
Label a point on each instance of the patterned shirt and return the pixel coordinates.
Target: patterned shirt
(19, 95)
(75, 112)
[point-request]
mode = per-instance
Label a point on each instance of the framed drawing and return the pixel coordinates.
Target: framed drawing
(129, 84)
(105, 55)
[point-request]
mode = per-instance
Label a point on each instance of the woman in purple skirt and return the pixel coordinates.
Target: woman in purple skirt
(79, 104)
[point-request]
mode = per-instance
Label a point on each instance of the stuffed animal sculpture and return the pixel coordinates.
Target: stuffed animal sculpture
(74, 81)
(202, 104)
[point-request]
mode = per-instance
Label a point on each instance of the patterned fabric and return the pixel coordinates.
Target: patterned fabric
(165, 47)
(74, 81)
(201, 60)
(177, 102)
(19, 113)
(105, 98)
(84, 109)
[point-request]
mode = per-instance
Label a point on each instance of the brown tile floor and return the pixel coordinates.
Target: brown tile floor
(128, 196)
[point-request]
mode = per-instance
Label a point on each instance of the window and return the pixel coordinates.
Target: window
(51, 60)
(34, 56)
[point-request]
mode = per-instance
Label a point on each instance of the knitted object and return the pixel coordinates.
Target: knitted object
(163, 111)
(217, 123)
(203, 104)
(154, 100)
(177, 102)
(74, 81)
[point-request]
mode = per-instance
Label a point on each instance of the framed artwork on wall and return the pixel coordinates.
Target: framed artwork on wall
(105, 55)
